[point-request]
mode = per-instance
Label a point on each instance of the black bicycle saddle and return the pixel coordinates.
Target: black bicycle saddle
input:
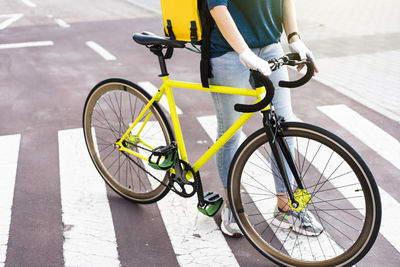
(148, 38)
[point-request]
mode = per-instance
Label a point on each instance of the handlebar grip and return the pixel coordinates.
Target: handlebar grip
(293, 56)
(259, 80)
(303, 80)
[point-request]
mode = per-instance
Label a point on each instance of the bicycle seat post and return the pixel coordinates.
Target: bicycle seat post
(157, 50)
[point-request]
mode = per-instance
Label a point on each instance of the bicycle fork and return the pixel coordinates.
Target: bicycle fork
(277, 143)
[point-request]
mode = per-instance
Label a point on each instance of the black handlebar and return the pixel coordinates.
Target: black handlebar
(294, 59)
(261, 80)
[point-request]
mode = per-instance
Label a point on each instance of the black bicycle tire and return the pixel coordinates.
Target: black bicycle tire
(345, 259)
(161, 190)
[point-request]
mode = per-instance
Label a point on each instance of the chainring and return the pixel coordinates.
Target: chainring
(180, 185)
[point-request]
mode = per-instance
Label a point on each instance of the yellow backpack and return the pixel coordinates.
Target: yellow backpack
(182, 20)
(190, 21)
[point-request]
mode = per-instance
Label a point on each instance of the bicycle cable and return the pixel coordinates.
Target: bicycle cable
(194, 49)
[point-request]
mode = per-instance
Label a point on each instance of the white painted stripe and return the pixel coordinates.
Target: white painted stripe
(88, 227)
(390, 220)
(8, 168)
(209, 123)
(195, 238)
(29, 3)
(11, 19)
(152, 90)
(26, 44)
(370, 134)
(100, 50)
(62, 23)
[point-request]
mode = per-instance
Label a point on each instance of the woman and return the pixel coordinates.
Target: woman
(246, 35)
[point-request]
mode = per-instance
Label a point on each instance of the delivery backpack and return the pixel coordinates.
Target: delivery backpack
(190, 21)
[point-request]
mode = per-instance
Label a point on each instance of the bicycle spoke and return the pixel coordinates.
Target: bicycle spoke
(108, 123)
(327, 177)
(106, 146)
(335, 217)
(337, 187)
(331, 179)
(258, 200)
(335, 199)
(250, 176)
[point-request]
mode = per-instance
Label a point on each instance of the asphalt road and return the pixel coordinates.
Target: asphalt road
(42, 93)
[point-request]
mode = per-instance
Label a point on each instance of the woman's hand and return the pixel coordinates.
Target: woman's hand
(253, 62)
(300, 48)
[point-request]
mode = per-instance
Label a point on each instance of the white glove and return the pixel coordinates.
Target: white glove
(252, 61)
(300, 48)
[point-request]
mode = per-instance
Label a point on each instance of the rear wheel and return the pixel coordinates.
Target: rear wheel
(110, 109)
(344, 199)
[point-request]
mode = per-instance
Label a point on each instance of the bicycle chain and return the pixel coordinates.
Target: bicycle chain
(134, 145)
(147, 172)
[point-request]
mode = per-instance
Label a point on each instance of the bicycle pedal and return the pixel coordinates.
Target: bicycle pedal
(163, 157)
(212, 203)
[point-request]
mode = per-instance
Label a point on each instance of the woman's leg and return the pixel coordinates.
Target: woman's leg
(227, 71)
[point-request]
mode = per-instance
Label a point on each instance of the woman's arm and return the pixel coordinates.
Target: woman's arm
(231, 33)
(228, 28)
(290, 26)
(289, 20)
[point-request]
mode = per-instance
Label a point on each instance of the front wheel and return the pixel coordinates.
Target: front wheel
(344, 198)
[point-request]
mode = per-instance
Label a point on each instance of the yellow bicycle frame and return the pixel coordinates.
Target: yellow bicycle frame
(166, 89)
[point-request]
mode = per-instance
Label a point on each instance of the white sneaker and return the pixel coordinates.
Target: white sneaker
(228, 224)
(302, 222)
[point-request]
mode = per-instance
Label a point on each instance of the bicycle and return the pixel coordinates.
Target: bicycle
(140, 157)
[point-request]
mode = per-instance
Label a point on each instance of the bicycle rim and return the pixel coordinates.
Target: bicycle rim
(109, 111)
(344, 199)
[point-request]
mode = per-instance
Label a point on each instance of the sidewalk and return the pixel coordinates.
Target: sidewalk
(356, 44)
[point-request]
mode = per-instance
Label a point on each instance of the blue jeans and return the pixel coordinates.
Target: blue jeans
(228, 71)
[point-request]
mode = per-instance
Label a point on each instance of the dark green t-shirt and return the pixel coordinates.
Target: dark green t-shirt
(259, 22)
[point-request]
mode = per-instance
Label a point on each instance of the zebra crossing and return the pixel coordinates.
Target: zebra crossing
(195, 239)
